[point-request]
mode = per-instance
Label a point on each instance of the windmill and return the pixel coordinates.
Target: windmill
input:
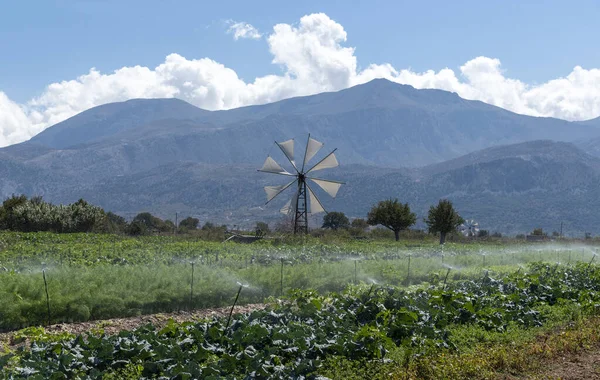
(469, 228)
(299, 205)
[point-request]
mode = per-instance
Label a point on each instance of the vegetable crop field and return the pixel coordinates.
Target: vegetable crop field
(350, 309)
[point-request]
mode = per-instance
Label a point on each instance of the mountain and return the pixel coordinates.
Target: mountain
(592, 122)
(378, 123)
(510, 189)
(110, 119)
(510, 172)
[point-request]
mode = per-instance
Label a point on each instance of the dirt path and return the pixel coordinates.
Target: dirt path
(583, 365)
(113, 326)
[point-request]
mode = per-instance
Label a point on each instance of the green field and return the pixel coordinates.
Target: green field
(94, 276)
(378, 302)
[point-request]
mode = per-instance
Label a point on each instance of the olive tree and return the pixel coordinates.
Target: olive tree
(335, 220)
(443, 219)
(393, 215)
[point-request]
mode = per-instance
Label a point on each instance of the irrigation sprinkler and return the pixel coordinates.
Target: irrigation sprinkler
(408, 271)
(355, 266)
(590, 263)
(192, 287)
(483, 254)
(47, 296)
(373, 283)
(446, 278)
(234, 302)
(281, 280)
(485, 275)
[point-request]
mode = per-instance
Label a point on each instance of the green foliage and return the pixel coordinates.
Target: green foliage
(262, 228)
(393, 215)
(538, 232)
(360, 224)
(443, 219)
(93, 276)
(189, 224)
(310, 334)
(7, 211)
(115, 223)
(30, 215)
(335, 220)
(148, 223)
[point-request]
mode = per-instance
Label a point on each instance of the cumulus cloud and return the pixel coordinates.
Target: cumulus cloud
(243, 30)
(313, 58)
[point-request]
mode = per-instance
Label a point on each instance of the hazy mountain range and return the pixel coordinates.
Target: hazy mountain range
(508, 171)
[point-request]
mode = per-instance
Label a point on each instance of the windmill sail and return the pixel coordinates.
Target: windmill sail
(330, 187)
(288, 208)
(270, 166)
(312, 147)
(328, 162)
(273, 191)
(315, 205)
(287, 147)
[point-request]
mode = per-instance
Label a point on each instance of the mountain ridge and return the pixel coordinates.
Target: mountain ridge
(508, 193)
(393, 140)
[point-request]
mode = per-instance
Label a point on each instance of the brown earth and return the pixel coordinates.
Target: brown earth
(113, 326)
(583, 365)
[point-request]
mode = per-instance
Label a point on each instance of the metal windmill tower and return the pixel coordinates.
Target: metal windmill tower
(304, 200)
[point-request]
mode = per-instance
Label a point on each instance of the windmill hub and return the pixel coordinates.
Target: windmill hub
(298, 205)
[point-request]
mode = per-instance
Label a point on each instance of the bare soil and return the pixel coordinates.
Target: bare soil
(114, 326)
(583, 365)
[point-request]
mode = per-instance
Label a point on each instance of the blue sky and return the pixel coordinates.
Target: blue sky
(537, 43)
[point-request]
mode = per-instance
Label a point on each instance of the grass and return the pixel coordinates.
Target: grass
(494, 341)
(92, 276)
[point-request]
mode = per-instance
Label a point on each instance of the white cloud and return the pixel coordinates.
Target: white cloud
(313, 59)
(243, 30)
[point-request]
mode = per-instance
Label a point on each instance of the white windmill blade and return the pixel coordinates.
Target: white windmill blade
(312, 147)
(287, 147)
(330, 161)
(330, 187)
(270, 166)
(289, 207)
(315, 204)
(273, 191)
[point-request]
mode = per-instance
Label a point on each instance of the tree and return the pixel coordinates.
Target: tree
(335, 220)
(393, 215)
(189, 224)
(115, 223)
(360, 223)
(262, 229)
(7, 214)
(208, 226)
(443, 219)
(152, 223)
(358, 227)
(538, 232)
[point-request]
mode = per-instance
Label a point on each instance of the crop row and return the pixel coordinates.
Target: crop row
(293, 339)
